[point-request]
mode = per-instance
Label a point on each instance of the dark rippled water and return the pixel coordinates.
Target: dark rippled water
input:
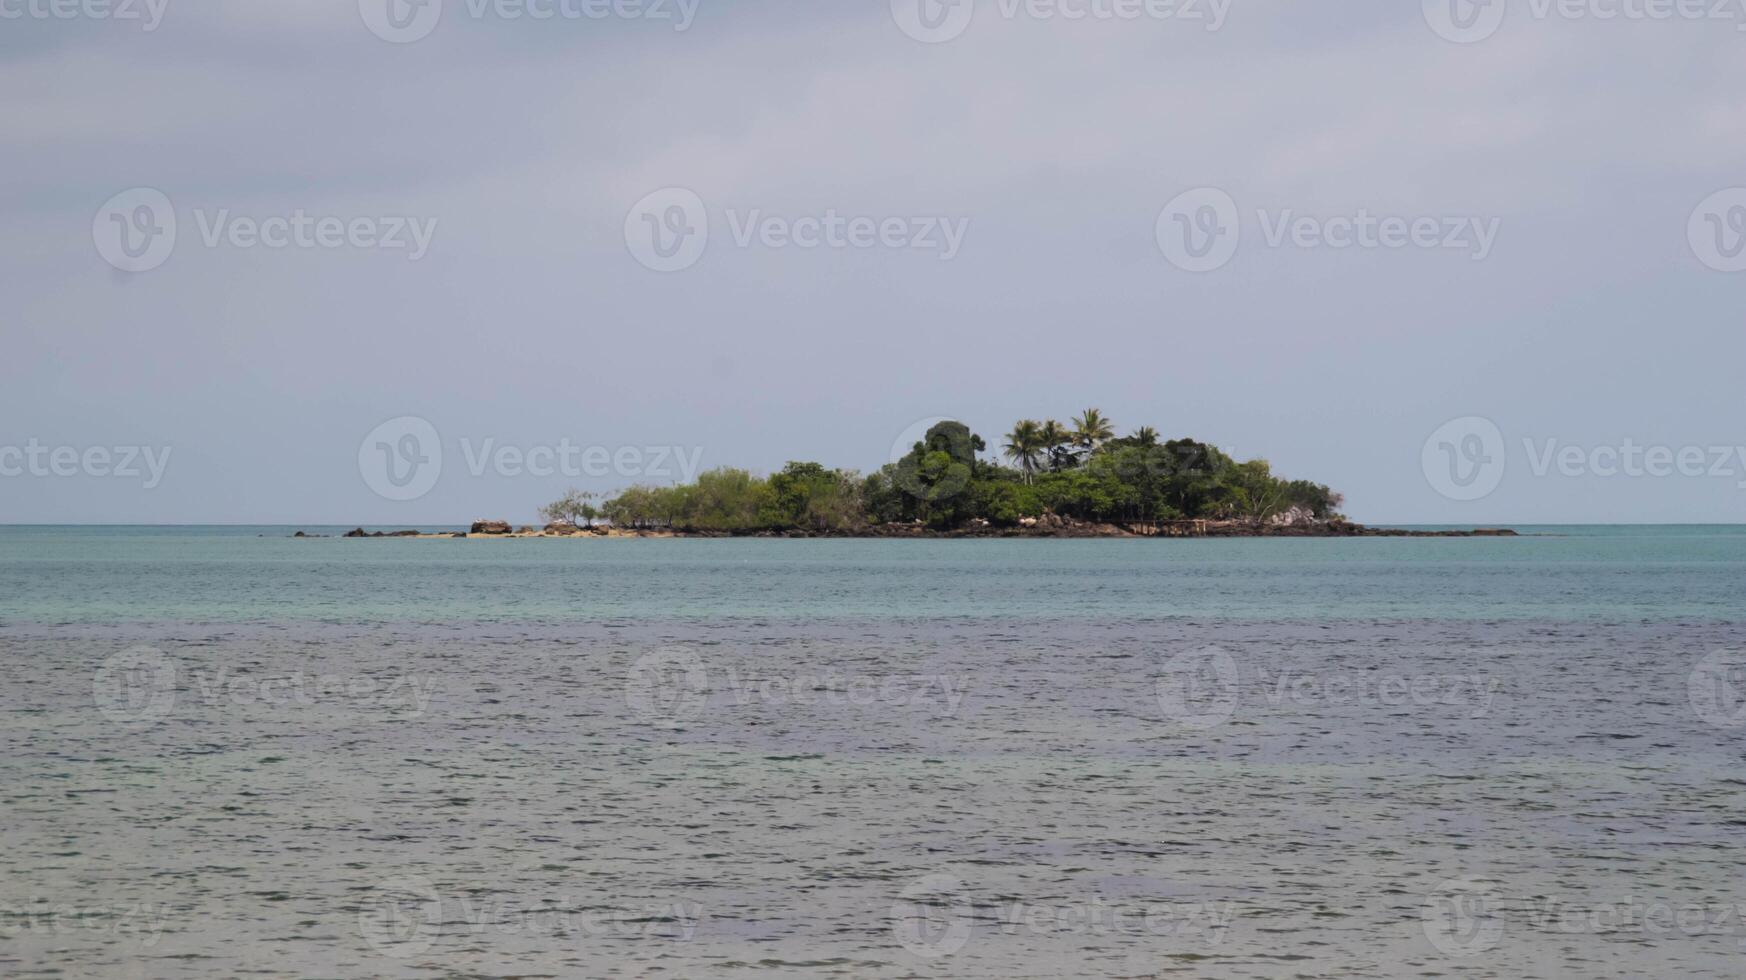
(230, 755)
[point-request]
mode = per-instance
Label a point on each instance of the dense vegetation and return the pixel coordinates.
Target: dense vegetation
(1082, 472)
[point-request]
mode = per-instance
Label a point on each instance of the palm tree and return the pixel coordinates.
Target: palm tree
(1055, 439)
(1092, 429)
(1146, 436)
(1024, 445)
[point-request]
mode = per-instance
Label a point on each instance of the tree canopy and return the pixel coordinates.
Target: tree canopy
(1083, 473)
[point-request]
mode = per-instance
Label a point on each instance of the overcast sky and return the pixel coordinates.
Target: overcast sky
(1040, 199)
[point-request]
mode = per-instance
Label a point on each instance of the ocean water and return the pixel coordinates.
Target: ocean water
(231, 753)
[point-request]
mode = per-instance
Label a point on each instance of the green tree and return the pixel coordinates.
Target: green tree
(1092, 430)
(810, 496)
(1024, 446)
(1058, 445)
(937, 473)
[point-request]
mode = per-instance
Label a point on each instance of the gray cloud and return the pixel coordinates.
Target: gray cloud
(529, 322)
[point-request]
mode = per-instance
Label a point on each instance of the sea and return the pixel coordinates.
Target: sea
(228, 752)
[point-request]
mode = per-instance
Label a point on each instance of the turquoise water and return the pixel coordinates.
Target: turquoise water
(259, 574)
(230, 753)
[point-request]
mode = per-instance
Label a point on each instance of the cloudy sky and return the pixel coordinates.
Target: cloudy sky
(306, 247)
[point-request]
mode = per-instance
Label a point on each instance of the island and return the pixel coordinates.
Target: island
(1050, 480)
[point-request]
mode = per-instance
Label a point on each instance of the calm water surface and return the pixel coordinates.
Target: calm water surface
(229, 753)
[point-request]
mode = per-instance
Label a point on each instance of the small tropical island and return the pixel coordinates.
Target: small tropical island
(1050, 480)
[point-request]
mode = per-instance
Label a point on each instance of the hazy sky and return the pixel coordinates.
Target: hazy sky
(1004, 223)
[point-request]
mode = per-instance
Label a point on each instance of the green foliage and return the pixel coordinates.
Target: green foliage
(1024, 446)
(809, 496)
(1084, 473)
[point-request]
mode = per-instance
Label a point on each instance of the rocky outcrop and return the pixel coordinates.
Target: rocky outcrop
(491, 527)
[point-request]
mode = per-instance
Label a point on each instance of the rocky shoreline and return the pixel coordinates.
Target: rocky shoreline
(1047, 527)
